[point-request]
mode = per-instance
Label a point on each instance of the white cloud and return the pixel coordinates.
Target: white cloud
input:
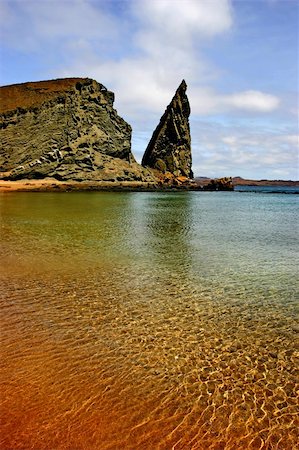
(292, 139)
(242, 150)
(184, 18)
(229, 140)
(252, 101)
(206, 101)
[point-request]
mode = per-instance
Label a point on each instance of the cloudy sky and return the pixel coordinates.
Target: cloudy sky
(238, 57)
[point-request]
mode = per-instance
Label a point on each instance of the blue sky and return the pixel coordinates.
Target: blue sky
(238, 57)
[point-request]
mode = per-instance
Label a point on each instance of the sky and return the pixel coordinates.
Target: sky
(239, 59)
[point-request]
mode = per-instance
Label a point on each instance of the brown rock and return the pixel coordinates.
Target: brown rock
(220, 184)
(169, 149)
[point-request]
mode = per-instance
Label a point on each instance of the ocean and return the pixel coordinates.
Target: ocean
(149, 320)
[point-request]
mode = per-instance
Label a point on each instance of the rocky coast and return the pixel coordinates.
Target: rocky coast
(65, 135)
(67, 130)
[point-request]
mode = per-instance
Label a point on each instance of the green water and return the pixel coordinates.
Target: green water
(180, 307)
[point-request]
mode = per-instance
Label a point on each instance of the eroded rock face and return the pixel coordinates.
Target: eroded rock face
(66, 129)
(169, 149)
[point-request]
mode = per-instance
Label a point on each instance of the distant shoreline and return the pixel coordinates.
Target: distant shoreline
(238, 181)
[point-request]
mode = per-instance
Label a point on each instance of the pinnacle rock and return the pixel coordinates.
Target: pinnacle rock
(169, 149)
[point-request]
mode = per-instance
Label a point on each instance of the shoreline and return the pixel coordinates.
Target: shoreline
(53, 185)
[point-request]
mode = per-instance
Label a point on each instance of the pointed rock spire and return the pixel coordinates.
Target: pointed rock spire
(169, 149)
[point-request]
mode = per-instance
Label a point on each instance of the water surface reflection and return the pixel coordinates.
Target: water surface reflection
(140, 321)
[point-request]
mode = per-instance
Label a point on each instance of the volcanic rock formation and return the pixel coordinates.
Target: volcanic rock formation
(220, 184)
(169, 149)
(66, 129)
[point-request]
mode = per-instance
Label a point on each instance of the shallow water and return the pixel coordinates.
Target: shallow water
(149, 321)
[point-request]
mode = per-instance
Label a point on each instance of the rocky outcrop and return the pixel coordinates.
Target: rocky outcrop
(169, 149)
(220, 184)
(65, 129)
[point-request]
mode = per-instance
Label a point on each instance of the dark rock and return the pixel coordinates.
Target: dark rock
(169, 149)
(220, 184)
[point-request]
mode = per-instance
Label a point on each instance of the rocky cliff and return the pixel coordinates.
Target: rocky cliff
(65, 129)
(169, 149)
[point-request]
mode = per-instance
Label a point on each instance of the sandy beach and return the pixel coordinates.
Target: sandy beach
(53, 185)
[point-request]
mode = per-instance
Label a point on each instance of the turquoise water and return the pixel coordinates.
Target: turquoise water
(268, 189)
(149, 320)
